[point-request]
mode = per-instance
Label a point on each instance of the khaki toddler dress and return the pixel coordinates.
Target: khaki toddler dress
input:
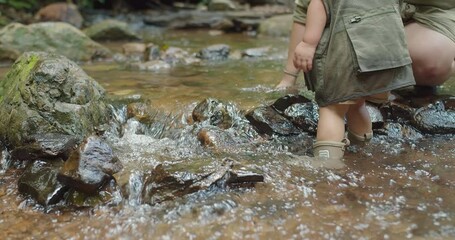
(362, 52)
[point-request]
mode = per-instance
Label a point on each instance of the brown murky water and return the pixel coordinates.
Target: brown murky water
(404, 190)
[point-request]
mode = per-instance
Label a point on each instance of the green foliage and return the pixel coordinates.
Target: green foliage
(20, 4)
(36, 4)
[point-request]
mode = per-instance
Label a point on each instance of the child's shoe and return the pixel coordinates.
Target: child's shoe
(330, 149)
(359, 139)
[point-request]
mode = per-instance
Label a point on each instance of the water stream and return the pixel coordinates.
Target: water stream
(389, 190)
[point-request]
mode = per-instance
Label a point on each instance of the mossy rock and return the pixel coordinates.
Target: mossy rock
(54, 37)
(47, 93)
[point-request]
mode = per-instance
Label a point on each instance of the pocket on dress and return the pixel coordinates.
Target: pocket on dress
(378, 39)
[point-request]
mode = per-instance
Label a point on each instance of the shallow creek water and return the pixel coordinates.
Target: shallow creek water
(388, 190)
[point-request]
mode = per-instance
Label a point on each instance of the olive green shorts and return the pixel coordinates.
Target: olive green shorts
(435, 18)
(441, 20)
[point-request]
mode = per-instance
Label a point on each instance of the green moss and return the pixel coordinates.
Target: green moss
(17, 75)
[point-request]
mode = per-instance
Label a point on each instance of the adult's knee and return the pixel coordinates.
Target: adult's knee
(432, 74)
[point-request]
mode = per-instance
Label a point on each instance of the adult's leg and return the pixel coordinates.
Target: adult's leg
(288, 79)
(432, 54)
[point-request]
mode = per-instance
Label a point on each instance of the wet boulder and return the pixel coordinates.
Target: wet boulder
(47, 93)
(281, 104)
(60, 12)
(53, 37)
(304, 116)
(435, 119)
(397, 111)
(266, 120)
(396, 130)
(111, 29)
(45, 146)
(215, 52)
(39, 181)
(89, 167)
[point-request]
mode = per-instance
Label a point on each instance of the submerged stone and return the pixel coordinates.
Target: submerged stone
(110, 194)
(160, 186)
(168, 182)
(45, 146)
(39, 181)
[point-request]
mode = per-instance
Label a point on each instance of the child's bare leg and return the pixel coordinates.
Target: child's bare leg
(359, 122)
(330, 142)
(331, 122)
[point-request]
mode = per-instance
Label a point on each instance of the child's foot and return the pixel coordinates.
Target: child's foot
(358, 139)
